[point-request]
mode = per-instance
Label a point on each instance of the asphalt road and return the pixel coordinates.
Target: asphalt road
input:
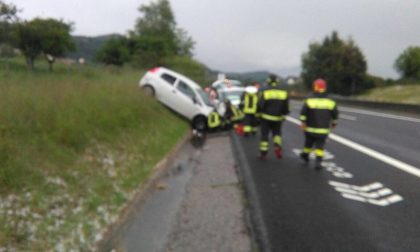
(366, 198)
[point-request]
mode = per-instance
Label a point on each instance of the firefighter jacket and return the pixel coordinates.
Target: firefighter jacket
(318, 113)
(249, 103)
(273, 103)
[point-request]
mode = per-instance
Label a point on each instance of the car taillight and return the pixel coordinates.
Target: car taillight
(154, 70)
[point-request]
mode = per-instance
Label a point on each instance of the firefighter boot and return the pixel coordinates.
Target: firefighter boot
(304, 156)
(278, 151)
(318, 163)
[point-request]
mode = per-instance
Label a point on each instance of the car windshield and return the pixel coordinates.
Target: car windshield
(204, 97)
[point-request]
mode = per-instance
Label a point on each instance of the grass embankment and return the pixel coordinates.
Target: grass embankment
(74, 144)
(398, 94)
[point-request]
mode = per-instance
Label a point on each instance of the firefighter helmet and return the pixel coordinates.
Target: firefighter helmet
(319, 86)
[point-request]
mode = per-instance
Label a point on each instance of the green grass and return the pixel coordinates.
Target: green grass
(396, 93)
(80, 137)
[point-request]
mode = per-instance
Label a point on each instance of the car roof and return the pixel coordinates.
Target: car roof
(178, 75)
(222, 82)
(231, 89)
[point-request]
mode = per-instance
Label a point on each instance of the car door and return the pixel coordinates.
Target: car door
(187, 102)
(166, 89)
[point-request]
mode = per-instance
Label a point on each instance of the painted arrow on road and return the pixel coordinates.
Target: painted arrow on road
(374, 193)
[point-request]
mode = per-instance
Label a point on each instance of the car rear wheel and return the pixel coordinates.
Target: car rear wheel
(149, 91)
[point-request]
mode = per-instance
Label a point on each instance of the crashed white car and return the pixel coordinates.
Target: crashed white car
(179, 93)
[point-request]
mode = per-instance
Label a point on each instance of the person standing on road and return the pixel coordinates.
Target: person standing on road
(249, 102)
(273, 105)
(318, 115)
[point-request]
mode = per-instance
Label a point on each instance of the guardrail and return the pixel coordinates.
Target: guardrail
(389, 106)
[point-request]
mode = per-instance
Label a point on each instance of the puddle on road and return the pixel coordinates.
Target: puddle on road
(149, 230)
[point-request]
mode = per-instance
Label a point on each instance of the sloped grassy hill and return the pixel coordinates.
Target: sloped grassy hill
(74, 144)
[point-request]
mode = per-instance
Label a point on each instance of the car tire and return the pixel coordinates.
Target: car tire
(149, 91)
(200, 123)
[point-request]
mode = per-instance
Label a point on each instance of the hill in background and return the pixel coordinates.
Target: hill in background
(87, 47)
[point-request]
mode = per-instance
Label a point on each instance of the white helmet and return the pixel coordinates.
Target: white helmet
(251, 90)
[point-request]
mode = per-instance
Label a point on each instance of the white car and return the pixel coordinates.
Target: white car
(226, 83)
(233, 94)
(179, 93)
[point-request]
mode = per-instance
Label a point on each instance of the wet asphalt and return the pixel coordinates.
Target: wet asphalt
(356, 203)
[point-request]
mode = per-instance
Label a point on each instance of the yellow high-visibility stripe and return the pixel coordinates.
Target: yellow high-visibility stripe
(272, 118)
(277, 140)
(320, 103)
(213, 120)
(247, 129)
(264, 146)
(275, 94)
(317, 130)
(302, 118)
(248, 107)
(307, 150)
(319, 152)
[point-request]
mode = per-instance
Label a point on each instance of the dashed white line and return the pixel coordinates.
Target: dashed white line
(348, 117)
(370, 152)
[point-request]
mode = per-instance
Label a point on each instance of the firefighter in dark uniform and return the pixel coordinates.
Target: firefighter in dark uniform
(319, 114)
(273, 105)
(249, 103)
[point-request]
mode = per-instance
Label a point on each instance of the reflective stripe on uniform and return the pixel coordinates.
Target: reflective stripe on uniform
(213, 120)
(319, 153)
(264, 146)
(275, 94)
(250, 103)
(317, 130)
(302, 118)
(307, 150)
(272, 118)
(237, 113)
(320, 103)
(247, 129)
(277, 140)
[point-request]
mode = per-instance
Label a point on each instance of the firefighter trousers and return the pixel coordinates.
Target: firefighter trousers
(317, 141)
(266, 127)
(250, 123)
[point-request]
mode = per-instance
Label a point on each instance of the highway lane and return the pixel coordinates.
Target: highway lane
(358, 203)
(399, 138)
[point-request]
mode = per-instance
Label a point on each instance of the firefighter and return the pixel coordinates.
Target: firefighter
(249, 102)
(273, 105)
(233, 115)
(319, 114)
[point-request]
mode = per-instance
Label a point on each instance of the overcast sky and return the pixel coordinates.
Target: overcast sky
(248, 35)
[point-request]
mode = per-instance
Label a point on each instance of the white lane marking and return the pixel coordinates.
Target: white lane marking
(370, 152)
(348, 117)
(374, 193)
(366, 112)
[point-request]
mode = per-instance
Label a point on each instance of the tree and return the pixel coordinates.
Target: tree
(114, 52)
(48, 36)
(408, 63)
(56, 39)
(156, 36)
(340, 63)
(8, 17)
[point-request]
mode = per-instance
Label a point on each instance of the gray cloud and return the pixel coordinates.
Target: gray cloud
(243, 35)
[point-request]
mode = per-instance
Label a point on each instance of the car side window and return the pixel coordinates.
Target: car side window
(168, 78)
(185, 89)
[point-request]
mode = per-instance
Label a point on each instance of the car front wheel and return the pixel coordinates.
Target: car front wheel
(200, 123)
